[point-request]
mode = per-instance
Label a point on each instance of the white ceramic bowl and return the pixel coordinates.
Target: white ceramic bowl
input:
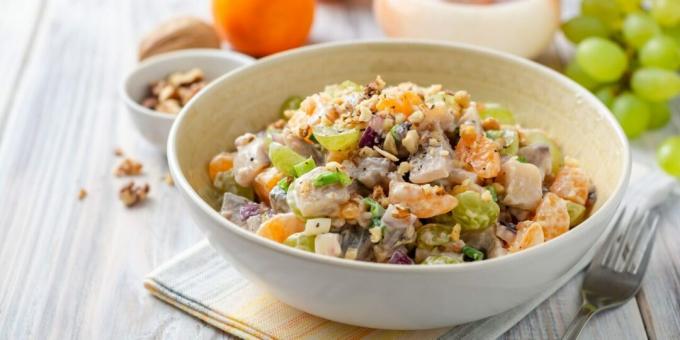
(521, 27)
(393, 296)
(154, 125)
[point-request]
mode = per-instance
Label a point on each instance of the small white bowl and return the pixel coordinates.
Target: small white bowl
(153, 125)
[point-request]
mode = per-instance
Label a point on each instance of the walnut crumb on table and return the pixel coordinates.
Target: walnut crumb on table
(131, 194)
(82, 194)
(128, 167)
(118, 152)
(168, 180)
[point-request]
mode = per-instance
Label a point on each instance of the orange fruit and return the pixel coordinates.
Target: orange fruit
(262, 27)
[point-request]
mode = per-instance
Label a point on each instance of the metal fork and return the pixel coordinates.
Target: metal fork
(615, 274)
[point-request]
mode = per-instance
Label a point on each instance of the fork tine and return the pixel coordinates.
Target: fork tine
(630, 234)
(616, 247)
(601, 256)
(639, 240)
(649, 244)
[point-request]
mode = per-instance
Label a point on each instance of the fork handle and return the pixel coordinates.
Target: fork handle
(576, 326)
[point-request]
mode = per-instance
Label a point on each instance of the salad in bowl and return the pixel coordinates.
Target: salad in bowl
(401, 174)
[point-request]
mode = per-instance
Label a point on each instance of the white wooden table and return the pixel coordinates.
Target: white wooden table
(74, 269)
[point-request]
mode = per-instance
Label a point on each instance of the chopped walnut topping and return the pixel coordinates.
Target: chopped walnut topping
(400, 212)
(82, 194)
(374, 87)
(403, 168)
(455, 232)
(462, 98)
(490, 123)
(386, 154)
(131, 194)
(410, 142)
(128, 167)
(416, 117)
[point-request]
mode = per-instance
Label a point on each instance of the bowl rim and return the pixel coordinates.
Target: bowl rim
(159, 59)
(610, 205)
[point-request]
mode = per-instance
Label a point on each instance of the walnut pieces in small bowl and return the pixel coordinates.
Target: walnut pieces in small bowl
(176, 78)
(169, 95)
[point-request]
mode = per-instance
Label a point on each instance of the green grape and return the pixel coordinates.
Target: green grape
(301, 241)
(576, 73)
(584, 26)
(638, 28)
(660, 51)
(606, 94)
(666, 12)
(606, 10)
(440, 259)
(291, 103)
(632, 113)
(655, 84)
(628, 6)
(539, 137)
(661, 114)
(336, 140)
(225, 182)
(601, 59)
(433, 234)
(473, 212)
(284, 158)
(668, 155)
(500, 113)
(576, 213)
(673, 32)
(510, 140)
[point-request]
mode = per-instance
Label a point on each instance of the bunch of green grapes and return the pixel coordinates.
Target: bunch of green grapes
(628, 55)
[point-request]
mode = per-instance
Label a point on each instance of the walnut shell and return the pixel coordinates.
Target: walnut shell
(176, 34)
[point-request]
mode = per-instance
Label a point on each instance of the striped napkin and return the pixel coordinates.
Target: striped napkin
(202, 284)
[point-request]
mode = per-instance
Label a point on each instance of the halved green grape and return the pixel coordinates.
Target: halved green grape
(605, 10)
(628, 6)
(433, 234)
(639, 27)
(539, 137)
(668, 156)
(666, 12)
(602, 59)
(291, 103)
(225, 182)
(440, 259)
(577, 74)
(632, 113)
(581, 27)
(510, 140)
(337, 140)
(673, 32)
(606, 94)
(284, 158)
(498, 112)
(473, 212)
(301, 241)
(660, 114)
(655, 84)
(661, 51)
(577, 213)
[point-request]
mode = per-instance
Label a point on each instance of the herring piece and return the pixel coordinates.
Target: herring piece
(523, 184)
(251, 158)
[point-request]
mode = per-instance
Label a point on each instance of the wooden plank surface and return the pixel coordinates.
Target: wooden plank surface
(73, 269)
(19, 20)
